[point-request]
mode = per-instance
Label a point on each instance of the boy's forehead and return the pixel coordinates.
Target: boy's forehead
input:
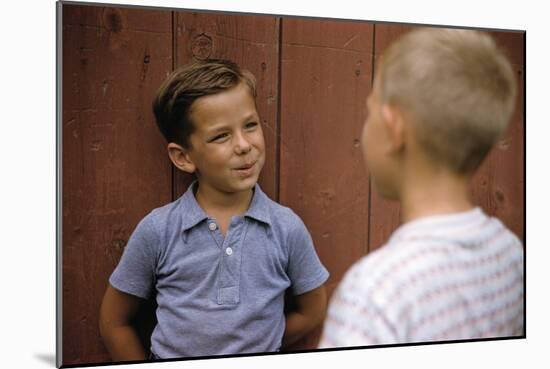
(225, 106)
(240, 92)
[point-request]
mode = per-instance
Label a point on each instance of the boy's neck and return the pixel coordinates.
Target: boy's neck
(223, 204)
(428, 191)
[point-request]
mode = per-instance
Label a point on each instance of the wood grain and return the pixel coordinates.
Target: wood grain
(499, 184)
(114, 165)
(384, 215)
(326, 74)
(253, 43)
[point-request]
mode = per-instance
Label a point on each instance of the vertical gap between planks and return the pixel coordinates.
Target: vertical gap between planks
(370, 181)
(174, 57)
(278, 115)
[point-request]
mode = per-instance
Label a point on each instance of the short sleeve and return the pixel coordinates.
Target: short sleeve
(135, 272)
(354, 318)
(305, 270)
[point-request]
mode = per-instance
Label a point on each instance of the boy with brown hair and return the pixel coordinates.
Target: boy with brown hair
(221, 256)
(440, 100)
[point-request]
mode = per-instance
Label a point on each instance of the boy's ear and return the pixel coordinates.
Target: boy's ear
(180, 157)
(395, 126)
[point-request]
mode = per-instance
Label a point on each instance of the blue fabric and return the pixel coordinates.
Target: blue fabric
(212, 301)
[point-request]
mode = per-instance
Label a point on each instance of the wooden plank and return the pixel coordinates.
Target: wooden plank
(326, 76)
(115, 168)
(498, 186)
(386, 33)
(384, 215)
(253, 43)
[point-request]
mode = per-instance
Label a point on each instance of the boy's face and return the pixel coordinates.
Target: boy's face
(227, 145)
(375, 142)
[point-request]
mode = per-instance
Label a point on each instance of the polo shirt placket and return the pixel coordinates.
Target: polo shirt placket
(229, 273)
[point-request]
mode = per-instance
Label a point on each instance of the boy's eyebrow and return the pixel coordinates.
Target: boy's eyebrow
(217, 128)
(223, 126)
(251, 116)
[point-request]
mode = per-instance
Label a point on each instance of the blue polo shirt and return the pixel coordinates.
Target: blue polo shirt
(218, 295)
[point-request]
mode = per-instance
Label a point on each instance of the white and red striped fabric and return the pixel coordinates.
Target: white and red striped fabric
(450, 277)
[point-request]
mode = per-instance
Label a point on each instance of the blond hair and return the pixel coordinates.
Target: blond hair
(456, 86)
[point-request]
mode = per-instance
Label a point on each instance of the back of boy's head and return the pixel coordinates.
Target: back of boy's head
(173, 103)
(456, 88)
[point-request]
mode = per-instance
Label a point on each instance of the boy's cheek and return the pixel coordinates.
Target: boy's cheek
(260, 144)
(374, 163)
(261, 161)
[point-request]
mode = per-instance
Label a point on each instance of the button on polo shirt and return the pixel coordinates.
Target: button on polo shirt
(218, 295)
(229, 271)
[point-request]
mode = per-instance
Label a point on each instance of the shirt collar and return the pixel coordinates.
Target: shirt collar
(193, 214)
(259, 206)
(437, 225)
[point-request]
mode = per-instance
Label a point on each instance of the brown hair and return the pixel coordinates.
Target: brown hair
(457, 88)
(175, 97)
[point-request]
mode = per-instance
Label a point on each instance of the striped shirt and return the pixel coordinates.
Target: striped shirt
(450, 277)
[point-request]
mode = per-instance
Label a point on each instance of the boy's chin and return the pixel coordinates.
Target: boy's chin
(244, 185)
(232, 187)
(248, 185)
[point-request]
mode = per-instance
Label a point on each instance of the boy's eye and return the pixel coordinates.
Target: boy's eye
(251, 125)
(219, 137)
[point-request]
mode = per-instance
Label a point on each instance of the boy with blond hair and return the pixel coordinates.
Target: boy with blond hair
(440, 100)
(221, 257)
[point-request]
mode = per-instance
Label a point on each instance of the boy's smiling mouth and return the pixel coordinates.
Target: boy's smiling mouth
(245, 170)
(246, 166)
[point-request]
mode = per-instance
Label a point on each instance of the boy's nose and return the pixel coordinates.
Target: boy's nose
(242, 146)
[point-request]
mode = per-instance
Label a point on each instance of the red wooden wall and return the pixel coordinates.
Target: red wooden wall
(113, 164)
(313, 77)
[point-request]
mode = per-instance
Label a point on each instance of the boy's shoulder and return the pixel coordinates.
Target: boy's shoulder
(165, 216)
(281, 218)
(279, 211)
(436, 246)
